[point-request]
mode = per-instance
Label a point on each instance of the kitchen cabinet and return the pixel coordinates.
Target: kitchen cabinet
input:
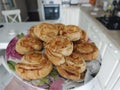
(70, 15)
(94, 32)
(83, 21)
(108, 76)
(110, 62)
(114, 83)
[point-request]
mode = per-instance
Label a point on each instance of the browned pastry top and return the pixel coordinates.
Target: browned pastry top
(61, 45)
(72, 32)
(33, 65)
(59, 27)
(31, 31)
(27, 44)
(45, 31)
(88, 51)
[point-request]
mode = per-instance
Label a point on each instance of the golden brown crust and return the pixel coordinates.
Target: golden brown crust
(55, 58)
(72, 32)
(45, 31)
(83, 38)
(76, 62)
(27, 44)
(59, 27)
(70, 75)
(61, 45)
(73, 67)
(34, 65)
(31, 32)
(57, 48)
(88, 51)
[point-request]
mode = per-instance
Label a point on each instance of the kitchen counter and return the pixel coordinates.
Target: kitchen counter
(10, 30)
(113, 35)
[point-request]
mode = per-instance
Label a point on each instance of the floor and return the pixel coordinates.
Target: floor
(16, 84)
(8, 81)
(5, 77)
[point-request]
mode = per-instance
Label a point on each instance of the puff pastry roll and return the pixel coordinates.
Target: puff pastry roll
(88, 51)
(73, 68)
(58, 48)
(72, 32)
(27, 44)
(45, 31)
(34, 65)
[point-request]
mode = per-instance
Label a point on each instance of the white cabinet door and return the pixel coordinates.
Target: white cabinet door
(70, 15)
(109, 74)
(83, 21)
(114, 82)
(116, 85)
(110, 62)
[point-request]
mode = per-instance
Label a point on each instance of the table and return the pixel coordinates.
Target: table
(11, 29)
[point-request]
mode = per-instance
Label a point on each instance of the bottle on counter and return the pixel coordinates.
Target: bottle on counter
(108, 12)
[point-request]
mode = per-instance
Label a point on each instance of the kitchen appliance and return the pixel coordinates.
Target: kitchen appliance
(49, 9)
(51, 12)
(112, 23)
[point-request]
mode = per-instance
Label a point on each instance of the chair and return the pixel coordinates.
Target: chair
(12, 16)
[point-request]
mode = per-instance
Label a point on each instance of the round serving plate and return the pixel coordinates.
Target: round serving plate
(53, 81)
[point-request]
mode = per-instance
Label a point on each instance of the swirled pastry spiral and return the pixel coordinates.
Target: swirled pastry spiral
(33, 65)
(73, 67)
(72, 32)
(83, 38)
(31, 31)
(45, 31)
(27, 44)
(57, 48)
(59, 27)
(55, 58)
(88, 51)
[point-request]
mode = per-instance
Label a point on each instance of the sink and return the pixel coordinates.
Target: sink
(112, 23)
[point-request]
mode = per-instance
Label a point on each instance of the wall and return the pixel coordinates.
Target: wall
(32, 8)
(21, 4)
(1, 8)
(31, 5)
